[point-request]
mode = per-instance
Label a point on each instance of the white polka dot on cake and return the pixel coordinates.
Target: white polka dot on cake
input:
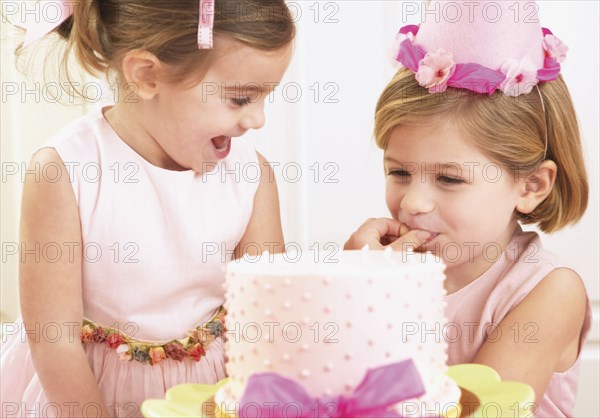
(358, 296)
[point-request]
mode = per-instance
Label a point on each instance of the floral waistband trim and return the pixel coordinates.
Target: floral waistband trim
(193, 346)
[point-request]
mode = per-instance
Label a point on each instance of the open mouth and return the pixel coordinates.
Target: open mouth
(222, 145)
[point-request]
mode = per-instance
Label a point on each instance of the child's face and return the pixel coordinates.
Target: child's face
(439, 182)
(194, 127)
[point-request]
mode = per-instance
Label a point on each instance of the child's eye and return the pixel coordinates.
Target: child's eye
(399, 173)
(450, 180)
(241, 102)
(403, 175)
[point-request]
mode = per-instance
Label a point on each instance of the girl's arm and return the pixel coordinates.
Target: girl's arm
(541, 335)
(264, 229)
(51, 289)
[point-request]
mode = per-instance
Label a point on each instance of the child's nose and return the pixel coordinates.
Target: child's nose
(416, 200)
(253, 117)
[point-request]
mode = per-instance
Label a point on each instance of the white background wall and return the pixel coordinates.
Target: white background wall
(319, 132)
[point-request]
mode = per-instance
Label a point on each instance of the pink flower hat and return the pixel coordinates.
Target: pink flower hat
(481, 46)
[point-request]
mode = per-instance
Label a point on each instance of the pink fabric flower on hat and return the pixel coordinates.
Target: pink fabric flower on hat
(555, 48)
(435, 69)
(521, 77)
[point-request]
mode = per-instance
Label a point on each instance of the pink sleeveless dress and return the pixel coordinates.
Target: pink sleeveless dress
(485, 302)
(155, 243)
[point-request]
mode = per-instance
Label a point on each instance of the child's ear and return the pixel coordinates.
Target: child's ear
(141, 70)
(535, 187)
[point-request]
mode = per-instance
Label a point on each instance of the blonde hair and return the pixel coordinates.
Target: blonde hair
(509, 130)
(101, 32)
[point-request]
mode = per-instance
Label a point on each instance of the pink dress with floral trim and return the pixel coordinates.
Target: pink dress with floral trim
(155, 245)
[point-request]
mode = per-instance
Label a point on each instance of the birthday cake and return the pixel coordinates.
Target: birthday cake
(323, 325)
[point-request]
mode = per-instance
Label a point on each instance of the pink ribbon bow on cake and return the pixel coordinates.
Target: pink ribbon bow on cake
(272, 395)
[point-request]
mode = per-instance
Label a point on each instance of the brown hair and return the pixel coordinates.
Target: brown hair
(101, 32)
(509, 130)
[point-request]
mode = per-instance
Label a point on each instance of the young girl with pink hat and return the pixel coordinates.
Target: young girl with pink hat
(480, 136)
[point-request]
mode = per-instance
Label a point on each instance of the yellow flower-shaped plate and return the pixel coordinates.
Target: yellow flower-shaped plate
(484, 395)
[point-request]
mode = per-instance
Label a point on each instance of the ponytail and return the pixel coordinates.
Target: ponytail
(83, 33)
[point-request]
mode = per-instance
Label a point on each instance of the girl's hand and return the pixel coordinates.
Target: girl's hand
(383, 232)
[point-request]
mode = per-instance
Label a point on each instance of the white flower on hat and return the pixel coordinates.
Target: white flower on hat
(521, 77)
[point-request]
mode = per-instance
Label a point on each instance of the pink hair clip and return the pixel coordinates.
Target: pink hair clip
(205, 24)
